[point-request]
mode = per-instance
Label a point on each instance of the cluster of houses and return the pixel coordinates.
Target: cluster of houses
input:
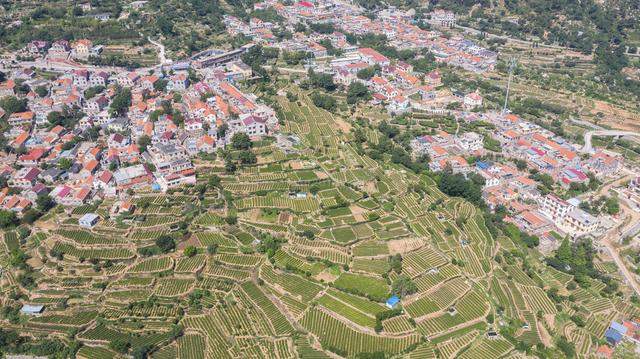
(397, 25)
(80, 49)
(180, 114)
(505, 185)
(396, 85)
(617, 333)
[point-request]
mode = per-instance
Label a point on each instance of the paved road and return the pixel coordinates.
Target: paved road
(587, 124)
(473, 31)
(588, 147)
(161, 52)
(613, 236)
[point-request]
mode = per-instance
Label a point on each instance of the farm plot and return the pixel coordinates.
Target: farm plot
(346, 311)
(363, 305)
(417, 262)
(375, 266)
(400, 324)
(190, 346)
(284, 260)
(280, 324)
(152, 265)
(97, 253)
(145, 235)
(173, 287)
(131, 282)
(294, 204)
(208, 220)
(89, 352)
(216, 342)
(451, 347)
(240, 260)
(338, 335)
(488, 349)
(537, 300)
(471, 307)
(374, 288)
(87, 238)
(436, 276)
(217, 270)
(291, 283)
(208, 238)
(190, 264)
(343, 234)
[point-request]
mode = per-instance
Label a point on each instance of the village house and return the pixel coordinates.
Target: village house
(81, 49)
(59, 50)
(7, 88)
(24, 177)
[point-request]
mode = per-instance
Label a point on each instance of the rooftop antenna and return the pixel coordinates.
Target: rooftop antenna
(512, 65)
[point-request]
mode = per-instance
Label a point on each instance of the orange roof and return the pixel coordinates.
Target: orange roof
(532, 218)
(511, 134)
(20, 140)
(512, 117)
(439, 150)
(91, 165)
(27, 115)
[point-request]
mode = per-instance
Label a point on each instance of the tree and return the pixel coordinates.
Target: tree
(612, 206)
(190, 251)
(160, 85)
(356, 92)
(165, 243)
(564, 251)
(45, 202)
(42, 91)
(395, 262)
(142, 352)
(212, 248)
(214, 181)
(120, 345)
(143, 142)
(248, 157)
(7, 219)
(321, 80)
(324, 101)
(368, 72)
(241, 141)
(121, 102)
(568, 348)
(230, 166)
(11, 104)
(65, 163)
(403, 286)
(30, 216)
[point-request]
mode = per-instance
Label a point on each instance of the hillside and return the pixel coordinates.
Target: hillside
(289, 274)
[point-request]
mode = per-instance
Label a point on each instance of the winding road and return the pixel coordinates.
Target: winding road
(161, 52)
(588, 147)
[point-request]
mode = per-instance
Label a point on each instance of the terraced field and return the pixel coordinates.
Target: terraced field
(295, 257)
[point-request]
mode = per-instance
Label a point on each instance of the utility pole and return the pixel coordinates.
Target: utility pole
(512, 65)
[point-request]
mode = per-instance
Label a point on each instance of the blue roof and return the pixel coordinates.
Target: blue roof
(613, 336)
(155, 187)
(88, 217)
(27, 308)
(618, 327)
(483, 165)
(393, 300)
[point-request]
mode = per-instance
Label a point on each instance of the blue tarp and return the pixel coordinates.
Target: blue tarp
(393, 301)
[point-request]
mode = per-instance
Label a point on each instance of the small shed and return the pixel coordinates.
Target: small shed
(88, 220)
(29, 309)
(392, 302)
